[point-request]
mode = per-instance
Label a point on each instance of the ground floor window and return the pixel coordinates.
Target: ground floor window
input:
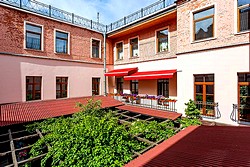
(61, 87)
(244, 96)
(119, 85)
(33, 88)
(134, 87)
(95, 86)
(163, 87)
(204, 93)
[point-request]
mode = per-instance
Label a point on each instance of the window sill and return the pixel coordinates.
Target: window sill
(163, 52)
(64, 54)
(28, 49)
(203, 40)
(97, 58)
(119, 59)
(242, 32)
(135, 57)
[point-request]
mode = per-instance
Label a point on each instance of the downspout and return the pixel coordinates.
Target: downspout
(105, 61)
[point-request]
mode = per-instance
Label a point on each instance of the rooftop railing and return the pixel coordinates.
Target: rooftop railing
(50, 11)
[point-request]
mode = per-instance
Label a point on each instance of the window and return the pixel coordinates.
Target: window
(134, 51)
(96, 48)
(119, 51)
(162, 40)
(244, 96)
(163, 87)
(95, 86)
(204, 24)
(243, 15)
(61, 87)
(62, 42)
(204, 93)
(33, 88)
(33, 36)
(119, 85)
(134, 87)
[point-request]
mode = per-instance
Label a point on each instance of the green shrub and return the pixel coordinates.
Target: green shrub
(191, 111)
(186, 122)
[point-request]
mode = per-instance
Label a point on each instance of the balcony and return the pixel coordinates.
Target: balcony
(147, 101)
(208, 109)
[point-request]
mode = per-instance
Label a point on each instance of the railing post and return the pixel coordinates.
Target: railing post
(141, 12)
(151, 103)
(91, 24)
(20, 3)
(49, 10)
(73, 18)
(111, 26)
(164, 3)
(124, 20)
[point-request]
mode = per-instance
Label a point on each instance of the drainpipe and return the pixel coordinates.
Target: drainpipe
(105, 59)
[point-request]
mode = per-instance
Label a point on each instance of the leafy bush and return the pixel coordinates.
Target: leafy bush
(185, 122)
(191, 111)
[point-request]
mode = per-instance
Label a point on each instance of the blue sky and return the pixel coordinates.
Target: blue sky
(110, 10)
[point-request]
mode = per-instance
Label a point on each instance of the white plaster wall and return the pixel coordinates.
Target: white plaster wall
(14, 69)
(224, 64)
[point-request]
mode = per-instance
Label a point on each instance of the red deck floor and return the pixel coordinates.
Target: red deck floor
(32, 111)
(201, 146)
(151, 112)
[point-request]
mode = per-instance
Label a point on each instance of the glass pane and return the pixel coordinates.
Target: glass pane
(209, 78)
(198, 97)
(38, 96)
(58, 94)
(33, 41)
(244, 18)
(244, 107)
(204, 29)
(243, 2)
(61, 46)
(33, 28)
(64, 94)
(199, 88)
(29, 87)
(95, 51)
(204, 13)
(133, 41)
(29, 97)
(210, 98)
(38, 87)
(64, 87)
(38, 79)
(58, 80)
(29, 79)
(244, 91)
(162, 44)
(210, 110)
(210, 89)
(58, 87)
(61, 35)
(198, 78)
(64, 79)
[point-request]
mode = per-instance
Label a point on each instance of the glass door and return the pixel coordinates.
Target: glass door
(244, 102)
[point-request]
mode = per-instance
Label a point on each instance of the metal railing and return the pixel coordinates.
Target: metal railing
(50, 11)
(212, 109)
(143, 12)
(155, 103)
(233, 115)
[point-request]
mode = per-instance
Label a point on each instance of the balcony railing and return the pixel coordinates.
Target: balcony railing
(147, 101)
(50, 11)
(208, 109)
(240, 113)
(143, 12)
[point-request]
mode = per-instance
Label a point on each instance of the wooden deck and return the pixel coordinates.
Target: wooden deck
(151, 112)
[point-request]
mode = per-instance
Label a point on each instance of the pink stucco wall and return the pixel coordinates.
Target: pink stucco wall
(14, 70)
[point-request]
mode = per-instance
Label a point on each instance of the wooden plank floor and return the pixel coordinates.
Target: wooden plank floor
(151, 112)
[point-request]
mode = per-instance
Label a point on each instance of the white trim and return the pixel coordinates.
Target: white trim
(192, 40)
(24, 33)
(115, 50)
(163, 28)
(68, 49)
(100, 47)
(236, 16)
(129, 47)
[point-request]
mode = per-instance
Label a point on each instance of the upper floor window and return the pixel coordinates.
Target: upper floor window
(243, 15)
(134, 87)
(134, 49)
(119, 50)
(62, 40)
(61, 87)
(162, 40)
(204, 24)
(33, 88)
(96, 48)
(33, 36)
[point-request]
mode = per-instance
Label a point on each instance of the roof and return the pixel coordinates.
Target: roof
(37, 110)
(151, 112)
(200, 146)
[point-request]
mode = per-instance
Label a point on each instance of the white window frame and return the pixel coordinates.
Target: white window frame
(42, 35)
(192, 40)
(68, 50)
(156, 48)
(129, 51)
(100, 47)
(116, 54)
(236, 20)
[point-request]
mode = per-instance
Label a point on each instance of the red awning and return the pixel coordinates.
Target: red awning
(163, 74)
(121, 72)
